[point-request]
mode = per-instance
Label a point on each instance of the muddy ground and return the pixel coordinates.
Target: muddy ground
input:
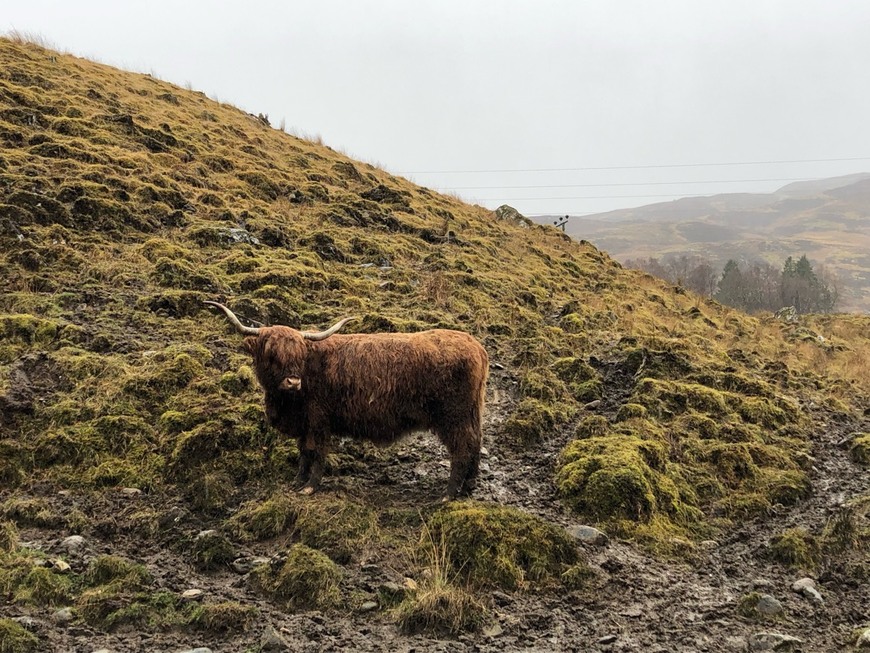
(636, 602)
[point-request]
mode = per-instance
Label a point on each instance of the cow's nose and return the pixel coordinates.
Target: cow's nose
(291, 383)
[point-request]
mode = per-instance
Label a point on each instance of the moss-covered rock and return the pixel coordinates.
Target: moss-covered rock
(306, 579)
(796, 548)
(860, 449)
(497, 546)
(531, 422)
(14, 638)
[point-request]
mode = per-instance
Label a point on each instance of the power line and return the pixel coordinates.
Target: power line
(586, 197)
(640, 167)
(642, 183)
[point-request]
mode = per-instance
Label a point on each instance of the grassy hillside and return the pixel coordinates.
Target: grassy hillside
(129, 413)
(825, 219)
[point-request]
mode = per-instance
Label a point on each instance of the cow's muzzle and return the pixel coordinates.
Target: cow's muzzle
(292, 383)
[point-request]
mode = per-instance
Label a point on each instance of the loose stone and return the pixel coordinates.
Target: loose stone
(588, 534)
(272, 640)
(248, 563)
(62, 616)
(773, 642)
(608, 639)
(368, 606)
(73, 544)
(192, 594)
(768, 605)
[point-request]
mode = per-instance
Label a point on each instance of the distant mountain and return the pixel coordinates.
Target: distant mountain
(826, 219)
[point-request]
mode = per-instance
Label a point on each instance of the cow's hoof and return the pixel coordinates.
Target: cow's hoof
(307, 490)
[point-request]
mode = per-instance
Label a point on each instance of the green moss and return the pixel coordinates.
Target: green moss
(28, 328)
(222, 618)
(212, 550)
(573, 370)
(623, 477)
(307, 579)
(860, 449)
(796, 548)
(42, 586)
(342, 529)
(8, 537)
(670, 398)
(30, 512)
(238, 382)
(15, 639)
(544, 385)
(531, 422)
(109, 569)
(498, 546)
(591, 426)
(260, 521)
(630, 411)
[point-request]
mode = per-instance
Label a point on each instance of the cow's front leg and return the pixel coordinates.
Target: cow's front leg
(312, 457)
(306, 458)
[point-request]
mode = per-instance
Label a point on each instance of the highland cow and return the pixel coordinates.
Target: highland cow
(376, 387)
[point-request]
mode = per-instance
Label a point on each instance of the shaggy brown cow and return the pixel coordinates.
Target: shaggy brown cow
(376, 387)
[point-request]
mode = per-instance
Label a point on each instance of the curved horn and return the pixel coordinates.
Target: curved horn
(248, 331)
(323, 335)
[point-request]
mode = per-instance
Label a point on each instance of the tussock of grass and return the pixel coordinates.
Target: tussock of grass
(443, 602)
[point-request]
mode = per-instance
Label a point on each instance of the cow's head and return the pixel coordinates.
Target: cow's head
(279, 352)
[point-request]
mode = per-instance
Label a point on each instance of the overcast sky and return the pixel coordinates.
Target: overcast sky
(514, 101)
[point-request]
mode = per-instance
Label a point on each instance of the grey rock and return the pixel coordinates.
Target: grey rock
(863, 639)
(246, 564)
(768, 605)
(588, 534)
(28, 623)
(773, 642)
(813, 594)
(192, 594)
(799, 585)
(131, 491)
(807, 587)
(271, 640)
(62, 616)
(73, 544)
(592, 405)
(368, 606)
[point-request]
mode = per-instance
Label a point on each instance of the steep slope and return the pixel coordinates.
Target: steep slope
(129, 414)
(827, 219)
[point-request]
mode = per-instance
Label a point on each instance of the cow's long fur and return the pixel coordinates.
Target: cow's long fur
(375, 387)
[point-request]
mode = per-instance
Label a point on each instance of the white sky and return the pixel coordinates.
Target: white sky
(417, 86)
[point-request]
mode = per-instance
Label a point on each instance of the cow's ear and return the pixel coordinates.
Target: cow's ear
(249, 343)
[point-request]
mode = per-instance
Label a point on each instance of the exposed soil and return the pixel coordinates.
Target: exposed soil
(636, 602)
